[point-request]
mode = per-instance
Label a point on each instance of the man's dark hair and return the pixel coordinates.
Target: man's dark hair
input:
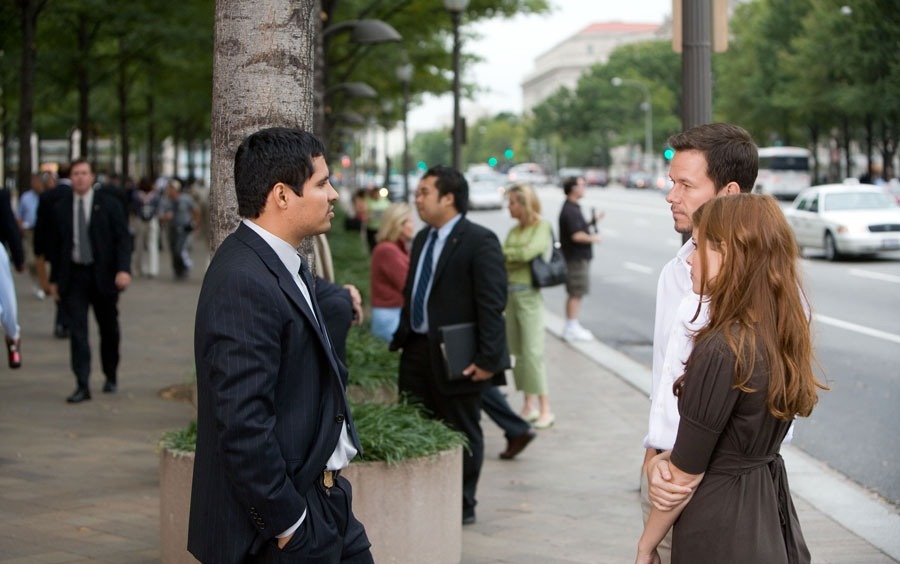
(78, 161)
(270, 156)
(731, 155)
(569, 183)
(450, 181)
(64, 170)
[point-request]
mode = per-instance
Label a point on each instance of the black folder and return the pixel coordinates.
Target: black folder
(458, 344)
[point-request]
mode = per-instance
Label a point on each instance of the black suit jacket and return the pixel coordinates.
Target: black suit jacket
(44, 224)
(270, 403)
(468, 285)
(110, 242)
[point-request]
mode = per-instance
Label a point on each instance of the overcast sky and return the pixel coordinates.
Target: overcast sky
(510, 46)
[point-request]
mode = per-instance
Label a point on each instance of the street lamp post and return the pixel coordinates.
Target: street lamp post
(404, 75)
(649, 161)
(455, 7)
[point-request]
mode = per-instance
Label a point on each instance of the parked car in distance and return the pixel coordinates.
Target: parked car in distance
(596, 177)
(486, 189)
(845, 219)
(569, 172)
(639, 179)
(528, 173)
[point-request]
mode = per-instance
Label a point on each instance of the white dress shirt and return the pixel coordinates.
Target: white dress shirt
(439, 243)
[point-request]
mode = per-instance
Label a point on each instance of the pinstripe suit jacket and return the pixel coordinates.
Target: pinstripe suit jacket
(270, 402)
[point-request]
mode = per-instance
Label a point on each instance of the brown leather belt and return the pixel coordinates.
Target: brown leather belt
(329, 477)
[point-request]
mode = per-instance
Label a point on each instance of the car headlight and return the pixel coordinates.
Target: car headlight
(852, 229)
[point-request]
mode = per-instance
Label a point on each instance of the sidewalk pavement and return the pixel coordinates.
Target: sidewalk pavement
(79, 483)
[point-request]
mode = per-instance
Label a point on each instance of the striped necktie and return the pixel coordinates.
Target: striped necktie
(418, 312)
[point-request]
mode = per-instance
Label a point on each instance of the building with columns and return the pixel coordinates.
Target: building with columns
(563, 64)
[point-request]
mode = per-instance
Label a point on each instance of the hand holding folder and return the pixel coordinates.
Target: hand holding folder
(458, 344)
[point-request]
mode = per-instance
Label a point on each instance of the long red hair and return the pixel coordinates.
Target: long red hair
(757, 300)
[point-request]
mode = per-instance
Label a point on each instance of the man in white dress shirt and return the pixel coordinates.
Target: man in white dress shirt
(710, 160)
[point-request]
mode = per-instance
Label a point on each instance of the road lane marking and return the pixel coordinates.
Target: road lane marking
(875, 275)
(638, 268)
(857, 328)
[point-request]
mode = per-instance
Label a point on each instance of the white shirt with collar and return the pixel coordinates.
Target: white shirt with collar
(676, 305)
(344, 451)
(88, 198)
(443, 234)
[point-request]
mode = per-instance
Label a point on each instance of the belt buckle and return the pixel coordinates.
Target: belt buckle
(328, 479)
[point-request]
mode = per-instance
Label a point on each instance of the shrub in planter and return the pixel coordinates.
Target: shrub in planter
(406, 488)
(176, 468)
(373, 368)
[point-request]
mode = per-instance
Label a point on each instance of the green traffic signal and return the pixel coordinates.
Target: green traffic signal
(669, 153)
(508, 153)
(492, 161)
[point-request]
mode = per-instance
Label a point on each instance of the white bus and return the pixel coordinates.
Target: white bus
(783, 171)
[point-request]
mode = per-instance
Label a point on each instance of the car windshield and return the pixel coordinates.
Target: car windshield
(857, 201)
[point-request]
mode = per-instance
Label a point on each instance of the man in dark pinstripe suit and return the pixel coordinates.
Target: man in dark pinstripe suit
(274, 428)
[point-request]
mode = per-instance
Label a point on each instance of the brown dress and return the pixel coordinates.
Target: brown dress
(741, 512)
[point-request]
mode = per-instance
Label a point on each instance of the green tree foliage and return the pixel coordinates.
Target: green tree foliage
(582, 125)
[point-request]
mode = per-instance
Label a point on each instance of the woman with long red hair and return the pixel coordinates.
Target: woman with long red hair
(749, 375)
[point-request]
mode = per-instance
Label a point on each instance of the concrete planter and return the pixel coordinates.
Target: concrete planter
(412, 510)
(175, 475)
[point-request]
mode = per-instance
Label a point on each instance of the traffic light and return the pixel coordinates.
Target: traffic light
(421, 165)
(508, 154)
(668, 153)
(492, 161)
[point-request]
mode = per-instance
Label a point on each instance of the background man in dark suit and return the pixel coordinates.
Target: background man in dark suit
(90, 255)
(456, 275)
(274, 428)
(54, 191)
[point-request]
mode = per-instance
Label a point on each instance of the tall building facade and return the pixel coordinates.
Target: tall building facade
(566, 62)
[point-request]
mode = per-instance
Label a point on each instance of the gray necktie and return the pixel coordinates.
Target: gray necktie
(84, 242)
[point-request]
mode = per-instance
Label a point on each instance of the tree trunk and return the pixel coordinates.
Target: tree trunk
(263, 71)
(84, 86)
(122, 92)
(29, 12)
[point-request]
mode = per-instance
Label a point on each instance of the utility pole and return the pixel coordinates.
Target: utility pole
(696, 63)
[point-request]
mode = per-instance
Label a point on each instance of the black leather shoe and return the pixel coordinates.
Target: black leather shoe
(61, 332)
(469, 519)
(109, 387)
(516, 445)
(79, 396)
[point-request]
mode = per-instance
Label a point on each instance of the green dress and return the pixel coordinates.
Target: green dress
(525, 307)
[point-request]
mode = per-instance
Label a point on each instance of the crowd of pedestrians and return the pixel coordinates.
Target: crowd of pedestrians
(732, 352)
(80, 239)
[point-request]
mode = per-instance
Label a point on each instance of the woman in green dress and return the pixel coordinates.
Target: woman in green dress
(532, 236)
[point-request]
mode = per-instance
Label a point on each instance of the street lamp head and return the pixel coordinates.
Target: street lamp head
(365, 32)
(404, 73)
(456, 6)
(616, 81)
(354, 89)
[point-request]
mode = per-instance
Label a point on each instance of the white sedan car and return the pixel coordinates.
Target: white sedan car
(845, 219)
(486, 189)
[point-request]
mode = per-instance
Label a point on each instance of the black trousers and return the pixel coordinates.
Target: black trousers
(460, 412)
(494, 404)
(330, 533)
(82, 294)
